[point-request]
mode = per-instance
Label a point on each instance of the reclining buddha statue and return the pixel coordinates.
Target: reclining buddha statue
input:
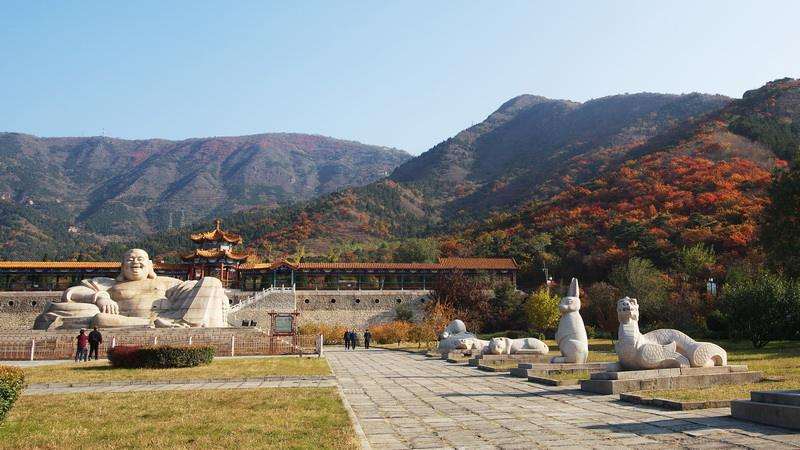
(138, 297)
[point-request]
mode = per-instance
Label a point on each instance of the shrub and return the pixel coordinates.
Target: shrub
(421, 333)
(403, 313)
(12, 380)
(332, 334)
(760, 308)
(541, 310)
(161, 356)
(392, 332)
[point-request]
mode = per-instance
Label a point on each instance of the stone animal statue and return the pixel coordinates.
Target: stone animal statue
(506, 346)
(454, 335)
(454, 328)
(474, 346)
(659, 349)
(571, 333)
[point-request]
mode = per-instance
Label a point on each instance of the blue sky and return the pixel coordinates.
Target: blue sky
(405, 74)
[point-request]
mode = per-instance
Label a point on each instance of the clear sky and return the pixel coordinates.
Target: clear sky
(403, 73)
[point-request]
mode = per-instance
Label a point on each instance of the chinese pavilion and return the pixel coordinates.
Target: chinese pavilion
(214, 256)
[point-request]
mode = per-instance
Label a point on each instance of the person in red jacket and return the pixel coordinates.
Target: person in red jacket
(83, 342)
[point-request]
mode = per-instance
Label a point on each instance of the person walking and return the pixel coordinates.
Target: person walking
(83, 341)
(95, 339)
(367, 338)
(353, 339)
(347, 339)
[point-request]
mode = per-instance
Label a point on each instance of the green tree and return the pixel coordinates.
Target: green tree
(403, 313)
(541, 310)
(780, 227)
(761, 307)
(639, 279)
(600, 306)
(507, 308)
(417, 250)
(696, 261)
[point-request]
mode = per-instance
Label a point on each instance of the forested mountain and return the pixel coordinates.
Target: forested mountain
(579, 187)
(700, 185)
(521, 152)
(59, 196)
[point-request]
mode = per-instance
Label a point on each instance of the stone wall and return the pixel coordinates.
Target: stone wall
(350, 308)
(18, 310)
(356, 308)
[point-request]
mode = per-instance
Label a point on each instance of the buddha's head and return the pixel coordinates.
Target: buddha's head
(136, 265)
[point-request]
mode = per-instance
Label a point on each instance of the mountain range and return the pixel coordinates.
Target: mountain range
(580, 187)
(57, 194)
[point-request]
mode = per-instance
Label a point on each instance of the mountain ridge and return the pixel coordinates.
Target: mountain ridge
(112, 189)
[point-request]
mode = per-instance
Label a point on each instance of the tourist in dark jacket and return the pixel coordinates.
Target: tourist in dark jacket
(95, 339)
(367, 338)
(347, 340)
(83, 342)
(353, 339)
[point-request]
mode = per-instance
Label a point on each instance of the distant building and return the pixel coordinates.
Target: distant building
(215, 256)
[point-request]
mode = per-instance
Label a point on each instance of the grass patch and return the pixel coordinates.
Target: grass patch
(101, 371)
(566, 375)
(239, 418)
(778, 360)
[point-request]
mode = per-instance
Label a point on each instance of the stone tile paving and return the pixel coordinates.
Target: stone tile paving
(409, 401)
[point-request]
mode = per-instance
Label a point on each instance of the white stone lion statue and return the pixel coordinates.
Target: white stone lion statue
(571, 333)
(659, 349)
(507, 346)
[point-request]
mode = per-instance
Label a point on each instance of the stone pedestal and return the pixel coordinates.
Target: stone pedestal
(658, 379)
(777, 408)
(525, 370)
(496, 360)
(457, 356)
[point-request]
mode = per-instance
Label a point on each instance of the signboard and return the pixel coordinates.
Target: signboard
(284, 324)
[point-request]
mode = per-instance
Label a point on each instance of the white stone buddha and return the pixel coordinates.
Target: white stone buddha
(138, 297)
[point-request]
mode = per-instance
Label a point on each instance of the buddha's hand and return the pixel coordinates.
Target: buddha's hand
(105, 304)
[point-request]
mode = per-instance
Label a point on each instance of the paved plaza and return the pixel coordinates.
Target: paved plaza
(403, 400)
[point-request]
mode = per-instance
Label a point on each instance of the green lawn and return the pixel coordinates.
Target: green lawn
(100, 371)
(565, 375)
(294, 418)
(777, 360)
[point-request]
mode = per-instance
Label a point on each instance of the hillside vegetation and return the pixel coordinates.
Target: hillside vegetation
(63, 196)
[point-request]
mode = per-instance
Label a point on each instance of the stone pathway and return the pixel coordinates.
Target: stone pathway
(409, 401)
(181, 385)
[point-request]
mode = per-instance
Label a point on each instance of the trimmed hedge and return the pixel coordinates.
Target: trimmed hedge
(12, 381)
(161, 356)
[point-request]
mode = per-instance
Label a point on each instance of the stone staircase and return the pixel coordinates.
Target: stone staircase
(258, 306)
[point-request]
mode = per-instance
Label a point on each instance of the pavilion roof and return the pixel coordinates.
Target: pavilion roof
(216, 235)
(479, 263)
(213, 253)
(443, 264)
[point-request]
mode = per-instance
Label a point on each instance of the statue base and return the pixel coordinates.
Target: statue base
(499, 360)
(458, 356)
(668, 379)
(776, 408)
(525, 370)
